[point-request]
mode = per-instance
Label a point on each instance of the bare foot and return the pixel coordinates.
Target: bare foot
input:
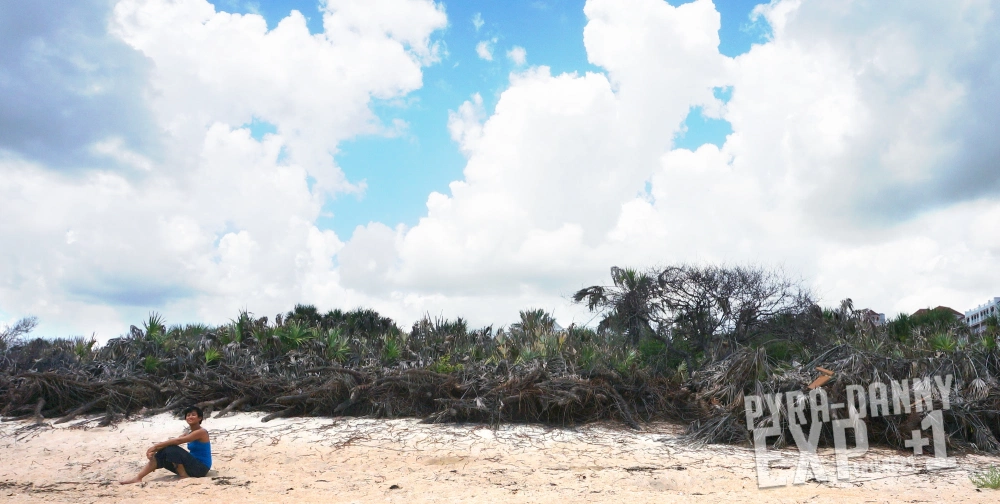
(130, 481)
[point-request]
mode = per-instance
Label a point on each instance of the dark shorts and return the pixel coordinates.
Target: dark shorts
(169, 457)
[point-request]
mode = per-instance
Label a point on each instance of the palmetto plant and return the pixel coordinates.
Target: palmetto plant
(988, 342)
(242, 326)
(188, 334)
(83, 347)
(294, 334)
(263, 335)
(444, 365)
(534, 323)
(623, 362)
(530, 353)
(390, 350)
(588, 357)
(367, 322)
(337, 348)
(150, 364)
(212, 355)
(943, 342)
(987, 478)
(977, 389)
(992, 328)
(155, 330)
(501, 351)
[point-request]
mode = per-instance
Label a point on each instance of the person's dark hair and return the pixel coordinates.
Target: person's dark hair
(201, 414)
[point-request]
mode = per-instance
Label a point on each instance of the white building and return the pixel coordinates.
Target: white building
(976, 318)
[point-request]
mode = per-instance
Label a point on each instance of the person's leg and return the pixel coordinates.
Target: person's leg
(165, 459)
(179, 461)
(194, 467)
(150, 467)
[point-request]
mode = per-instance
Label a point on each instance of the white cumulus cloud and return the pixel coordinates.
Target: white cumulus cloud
(215, 220)
(484, 49)
(517, 55)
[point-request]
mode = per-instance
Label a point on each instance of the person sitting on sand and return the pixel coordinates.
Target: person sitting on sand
(167, 455)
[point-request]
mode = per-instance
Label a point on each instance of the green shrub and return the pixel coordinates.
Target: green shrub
(987, 478)
(900, 327)
(682, 371)
(988, 343)
(529, 353)
(624, 362)
(212, 355)
(293, 335)
(501, 351)
(479, 353)
(651, 349)
(444, 366)
(83, 347)
(933, 317)
(943, 342)
(587, 357)
(391, 350)
(156, 331)
(227, 334)
(150, 364)
(581, 334)
(782, 350)
(336, 345)
(242, 326)
(188, 334)
(263, 335)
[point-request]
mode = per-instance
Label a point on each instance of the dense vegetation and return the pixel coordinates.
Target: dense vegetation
(683, 343)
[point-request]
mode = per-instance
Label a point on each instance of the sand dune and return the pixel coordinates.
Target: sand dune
(366, 460)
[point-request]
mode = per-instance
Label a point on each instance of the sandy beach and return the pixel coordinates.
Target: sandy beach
(367, 460)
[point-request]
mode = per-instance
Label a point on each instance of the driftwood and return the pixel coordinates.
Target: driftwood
(532, 395)
(287, 412)
(233, 405)
(156, 411)
(80, 410)
(38, 411)
(137, 375)
(208, 406)
(110, 418)
(213, 403)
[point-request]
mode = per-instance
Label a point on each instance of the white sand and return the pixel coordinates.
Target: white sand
(361, 460)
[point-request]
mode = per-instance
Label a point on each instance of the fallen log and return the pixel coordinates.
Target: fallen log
(212, 403)
(109, 418)
(343, 406)
(233, 405)
(289, 411)
(337, 369)
(293, 398)
(156, 411)
(79, 411)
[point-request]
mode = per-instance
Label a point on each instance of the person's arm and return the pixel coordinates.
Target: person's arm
(198, 435)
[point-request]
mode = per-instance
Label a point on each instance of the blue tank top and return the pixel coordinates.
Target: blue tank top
(201, 451)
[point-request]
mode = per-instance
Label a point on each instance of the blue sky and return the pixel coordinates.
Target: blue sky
(401, 171)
